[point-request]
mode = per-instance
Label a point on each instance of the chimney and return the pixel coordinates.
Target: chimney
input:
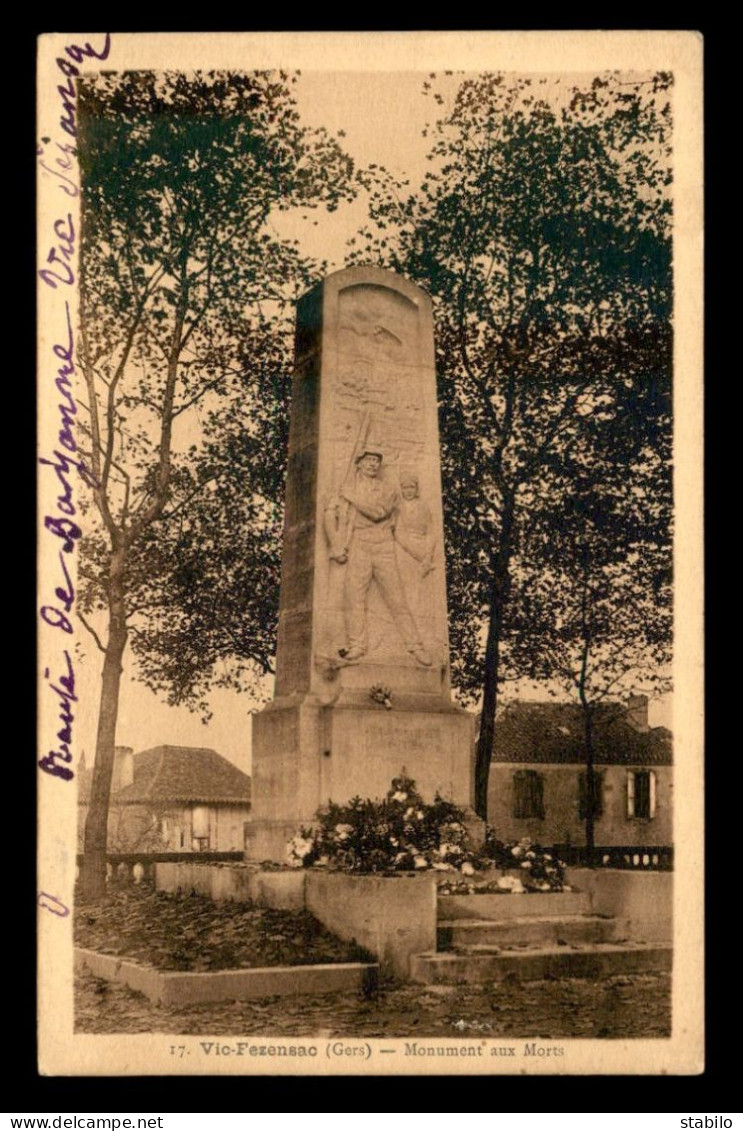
(123, 774)
(637, 713)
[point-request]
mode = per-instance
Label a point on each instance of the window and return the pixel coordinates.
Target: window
(598, 795)
(641, 791)
(528, 794)
(201, 844)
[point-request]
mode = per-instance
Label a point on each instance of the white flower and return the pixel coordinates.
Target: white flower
(343, 831)
(400, 796)
(531, 855)
(419, 814)
(420, 862)
(408, 812)
(517, 850)
(512, 884)
(467, 869)
(394, 841)
(547, 856)
(441, 867)
(450, 850)
(526, 864)
(296, 850)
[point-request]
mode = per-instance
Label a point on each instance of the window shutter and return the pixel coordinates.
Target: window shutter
(533, 794)
(630, 793)
(653, 793)
(518, 794)
(538, 795)
(528, 794)
(642, 794)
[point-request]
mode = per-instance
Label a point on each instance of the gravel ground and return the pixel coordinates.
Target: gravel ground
(620, 1007)
(194, 933)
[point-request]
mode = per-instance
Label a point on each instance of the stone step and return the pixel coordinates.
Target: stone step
(599, 960)
(542, 930)
(533, 904)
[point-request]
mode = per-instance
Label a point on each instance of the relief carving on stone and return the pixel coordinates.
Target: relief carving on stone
(376, 596)
(359, 525)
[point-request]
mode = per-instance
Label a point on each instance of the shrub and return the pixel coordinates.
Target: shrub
(402, 833)
(399, 834)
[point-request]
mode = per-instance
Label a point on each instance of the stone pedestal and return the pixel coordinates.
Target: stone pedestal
(363, 588)
(306, 754)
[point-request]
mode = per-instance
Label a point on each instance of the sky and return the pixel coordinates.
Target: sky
(382, 115)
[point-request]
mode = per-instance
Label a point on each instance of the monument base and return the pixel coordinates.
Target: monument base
(306, 753)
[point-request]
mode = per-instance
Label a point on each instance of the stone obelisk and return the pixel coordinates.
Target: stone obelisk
(362, 666)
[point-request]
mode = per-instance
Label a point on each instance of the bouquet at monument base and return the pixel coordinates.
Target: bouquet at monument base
(398, 834)
(403, 833)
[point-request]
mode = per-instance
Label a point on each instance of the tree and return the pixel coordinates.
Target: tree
(594, 608)
(542, 233)
(183, 287)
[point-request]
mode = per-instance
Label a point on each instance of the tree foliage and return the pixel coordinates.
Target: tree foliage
(593, 610)
(184, 348)
(542, 232)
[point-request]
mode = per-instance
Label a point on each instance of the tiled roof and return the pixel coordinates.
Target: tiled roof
(554, 732)
(184, 773)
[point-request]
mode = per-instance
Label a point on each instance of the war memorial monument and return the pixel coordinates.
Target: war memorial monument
(362, 666)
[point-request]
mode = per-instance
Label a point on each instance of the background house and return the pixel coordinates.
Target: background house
(172, 799)
(537, 785)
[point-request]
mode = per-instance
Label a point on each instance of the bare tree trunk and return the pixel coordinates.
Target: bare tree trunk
(499, 598)
(590, 787)
(587, 717)
(93, 871)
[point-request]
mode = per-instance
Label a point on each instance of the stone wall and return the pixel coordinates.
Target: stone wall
(393, 917)
(641, 902)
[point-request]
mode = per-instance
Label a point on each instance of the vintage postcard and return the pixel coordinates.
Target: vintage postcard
(370, 553)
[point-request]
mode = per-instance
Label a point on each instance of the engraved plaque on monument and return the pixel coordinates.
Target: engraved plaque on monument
(363, 587)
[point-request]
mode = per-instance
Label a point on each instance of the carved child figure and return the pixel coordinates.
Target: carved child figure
(414, 525)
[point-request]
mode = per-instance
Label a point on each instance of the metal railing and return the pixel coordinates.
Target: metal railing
(630, 857)
(128, 867)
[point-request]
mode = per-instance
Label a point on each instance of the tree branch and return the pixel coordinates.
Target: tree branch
(92, 632)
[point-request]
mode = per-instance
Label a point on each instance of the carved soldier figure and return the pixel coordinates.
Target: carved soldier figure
(362, 539)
